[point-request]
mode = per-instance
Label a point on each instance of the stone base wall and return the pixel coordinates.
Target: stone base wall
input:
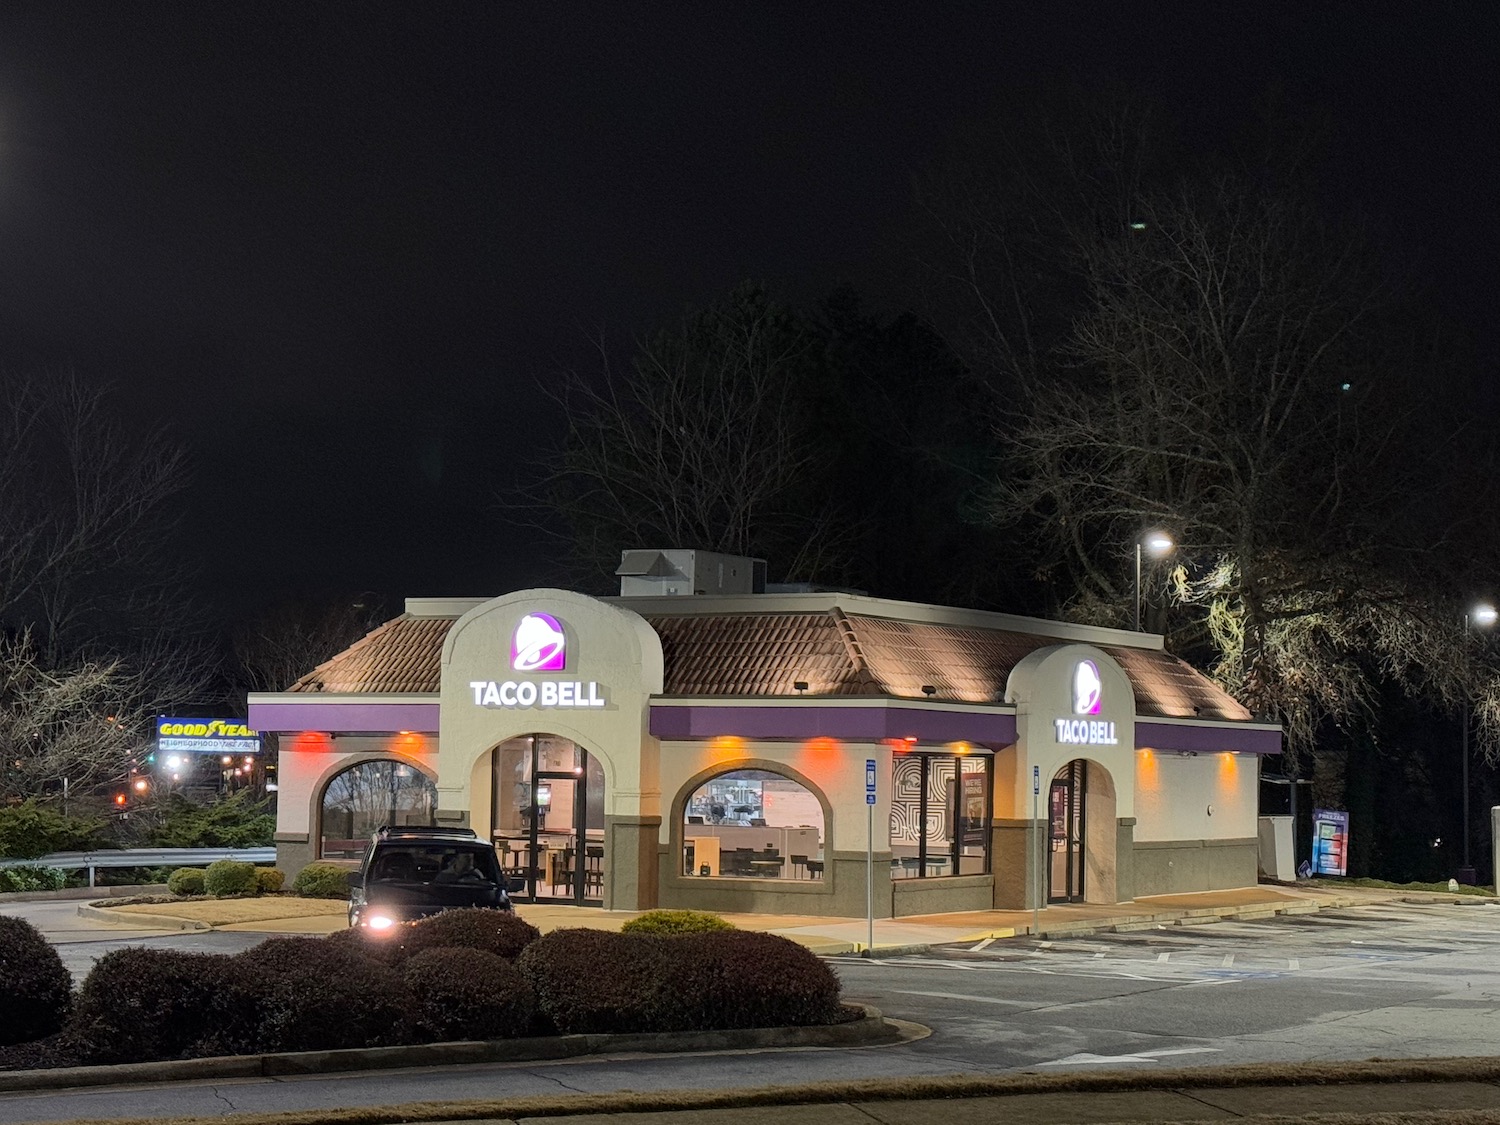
(294, 851)
(840, 893)
(632, 871)
(1165, 867)
(940, 896)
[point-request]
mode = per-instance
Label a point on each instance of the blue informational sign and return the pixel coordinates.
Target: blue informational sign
(870, 776)
(869, 798)
(206, 736)
(1330, 844)
(1036, 780)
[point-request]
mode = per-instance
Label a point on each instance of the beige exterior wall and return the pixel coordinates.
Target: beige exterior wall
(1195, 797)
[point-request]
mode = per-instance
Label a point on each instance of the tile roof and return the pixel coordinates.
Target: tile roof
(768, 654)
(403, 655)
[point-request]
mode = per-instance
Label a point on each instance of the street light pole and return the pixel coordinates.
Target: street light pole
(1157, 544)
(1482, 615)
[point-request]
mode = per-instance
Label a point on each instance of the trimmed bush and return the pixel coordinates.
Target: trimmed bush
(269, 881)
(35, 989)
(747, 979)
(226, 877)
(468, 994)
(491, 931)
(322, 880)
(318, 995)
(676, 922)
(13, 879)
(382, 946)
(186, 881)
(139, 1005)
(591, 981)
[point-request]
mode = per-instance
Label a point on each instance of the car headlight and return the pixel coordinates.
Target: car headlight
(380, 922)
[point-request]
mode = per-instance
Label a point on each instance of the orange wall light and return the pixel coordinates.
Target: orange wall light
(312, 742)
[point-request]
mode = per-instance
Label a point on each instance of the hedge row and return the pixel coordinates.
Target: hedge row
(465, 974)
(224, 878)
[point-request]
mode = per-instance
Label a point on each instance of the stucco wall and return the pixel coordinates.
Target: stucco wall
(306, 763)
(1175, 792)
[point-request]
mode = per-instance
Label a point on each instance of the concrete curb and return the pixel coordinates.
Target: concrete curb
(870, 1031)
(137, 920)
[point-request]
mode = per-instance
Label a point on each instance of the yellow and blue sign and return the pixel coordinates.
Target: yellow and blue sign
(206, 736)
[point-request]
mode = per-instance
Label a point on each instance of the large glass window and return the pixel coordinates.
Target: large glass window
(365, 797)
(940, 815)
(753, 824)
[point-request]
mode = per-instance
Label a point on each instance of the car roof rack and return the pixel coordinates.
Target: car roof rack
(422, 830)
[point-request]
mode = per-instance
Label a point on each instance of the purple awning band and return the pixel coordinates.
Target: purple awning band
(855, 724)
(873, 724)
(354, 718)
(1206, 740)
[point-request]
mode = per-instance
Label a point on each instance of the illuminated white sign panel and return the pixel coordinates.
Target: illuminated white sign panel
(539, 644)
(1088, 697)
(536, 693)
(1078, 732)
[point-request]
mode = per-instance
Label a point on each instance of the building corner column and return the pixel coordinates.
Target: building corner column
(1124, 858)
(632, 879)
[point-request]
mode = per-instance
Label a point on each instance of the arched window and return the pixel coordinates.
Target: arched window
(366, 796)
(753, 824)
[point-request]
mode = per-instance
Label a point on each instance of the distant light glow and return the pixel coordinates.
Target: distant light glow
(1484, 614)
(1158, 543)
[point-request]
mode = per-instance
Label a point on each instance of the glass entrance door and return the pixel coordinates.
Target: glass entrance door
(549, 819)
(1065, 834)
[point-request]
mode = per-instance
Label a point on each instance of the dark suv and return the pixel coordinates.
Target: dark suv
(408, 873)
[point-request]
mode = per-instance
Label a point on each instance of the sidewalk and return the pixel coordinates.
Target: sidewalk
(833, 936)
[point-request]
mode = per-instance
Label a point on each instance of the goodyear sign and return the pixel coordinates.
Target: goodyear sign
(206, 736)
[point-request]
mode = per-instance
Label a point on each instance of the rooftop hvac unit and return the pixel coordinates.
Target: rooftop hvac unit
(678, 572)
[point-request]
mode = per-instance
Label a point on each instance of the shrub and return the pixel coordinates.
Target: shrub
(237, 821)
(138, 1005)
(468, 994)
(383, 946)
(315, 995)
(590, 980)
(226, 877)
(32, 879)
(269, 881)
(29, 830)
(676, 922)
(746, 979)
(35, 989)
(186, 881)
(322, 880)
(491, 931)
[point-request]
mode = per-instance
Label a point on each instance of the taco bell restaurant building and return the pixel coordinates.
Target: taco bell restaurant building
(696, 742)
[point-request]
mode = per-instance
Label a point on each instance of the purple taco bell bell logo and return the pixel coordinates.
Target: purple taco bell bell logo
(1088, 688)
(539, 645)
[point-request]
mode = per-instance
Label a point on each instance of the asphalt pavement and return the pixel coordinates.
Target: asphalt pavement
(1140, 986)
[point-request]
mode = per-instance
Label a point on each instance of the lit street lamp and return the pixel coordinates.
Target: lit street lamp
(1157, 544)
(1485, 615)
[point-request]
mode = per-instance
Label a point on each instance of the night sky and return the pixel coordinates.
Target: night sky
(338, 249)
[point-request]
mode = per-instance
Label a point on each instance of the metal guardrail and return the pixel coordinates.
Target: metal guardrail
(142, 857)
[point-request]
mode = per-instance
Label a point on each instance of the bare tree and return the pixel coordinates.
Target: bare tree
(704, 442)
(1229, 379)
(65, 728)
(98, 634)
(84, 512)
(284, 643)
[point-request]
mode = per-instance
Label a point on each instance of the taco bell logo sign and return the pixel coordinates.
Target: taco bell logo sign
(1088, 697)
(539, 645)
(1088, 689)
